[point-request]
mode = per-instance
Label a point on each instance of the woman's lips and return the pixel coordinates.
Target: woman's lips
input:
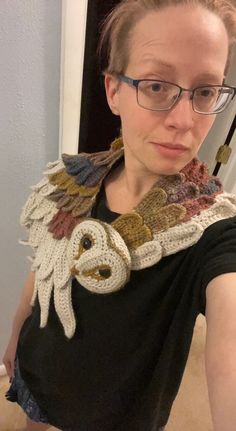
(170, 150)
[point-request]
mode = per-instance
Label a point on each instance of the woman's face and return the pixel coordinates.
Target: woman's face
(194, 43)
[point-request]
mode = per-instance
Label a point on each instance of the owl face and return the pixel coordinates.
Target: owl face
(98, 256)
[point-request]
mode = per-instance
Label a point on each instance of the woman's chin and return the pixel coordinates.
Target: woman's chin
(166, 169)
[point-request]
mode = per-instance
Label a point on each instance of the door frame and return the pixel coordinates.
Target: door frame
(74, 18)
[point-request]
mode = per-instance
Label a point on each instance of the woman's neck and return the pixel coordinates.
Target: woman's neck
(126, 187)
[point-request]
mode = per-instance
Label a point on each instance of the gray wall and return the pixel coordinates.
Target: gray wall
(30, 37)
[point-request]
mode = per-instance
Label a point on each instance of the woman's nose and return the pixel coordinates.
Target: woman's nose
(181, 114)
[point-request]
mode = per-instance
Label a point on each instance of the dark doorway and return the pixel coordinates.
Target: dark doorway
(98, 126)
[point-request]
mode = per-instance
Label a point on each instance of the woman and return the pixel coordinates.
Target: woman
(132, 244)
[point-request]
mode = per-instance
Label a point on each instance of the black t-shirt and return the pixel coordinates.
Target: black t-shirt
(122, 369)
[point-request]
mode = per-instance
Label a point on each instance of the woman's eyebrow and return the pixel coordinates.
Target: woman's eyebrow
(161, 63)
(209, 75)
(158, 62)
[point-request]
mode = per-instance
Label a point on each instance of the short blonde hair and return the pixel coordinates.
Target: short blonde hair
(117, 28)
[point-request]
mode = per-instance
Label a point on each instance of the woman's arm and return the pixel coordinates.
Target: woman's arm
(23, 311)
(221, 350)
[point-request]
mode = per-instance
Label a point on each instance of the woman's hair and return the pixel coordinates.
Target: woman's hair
(114, 48)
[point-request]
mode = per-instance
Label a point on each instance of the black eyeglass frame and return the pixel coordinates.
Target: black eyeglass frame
(135, 83)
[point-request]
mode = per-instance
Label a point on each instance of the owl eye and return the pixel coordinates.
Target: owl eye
(105, 272)
(87, 243)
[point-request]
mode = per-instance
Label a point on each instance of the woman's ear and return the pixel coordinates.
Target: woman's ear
(112, 93)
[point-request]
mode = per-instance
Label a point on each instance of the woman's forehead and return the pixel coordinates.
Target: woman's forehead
(159, 39)
(180, 21)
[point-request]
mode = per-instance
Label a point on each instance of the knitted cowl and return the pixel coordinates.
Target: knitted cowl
(68, 243)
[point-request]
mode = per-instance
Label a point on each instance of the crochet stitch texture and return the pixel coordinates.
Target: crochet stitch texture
(68, 243)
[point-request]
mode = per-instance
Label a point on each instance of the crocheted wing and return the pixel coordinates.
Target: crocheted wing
(39, 210)
(173, 216)
(51, 266)
(52, 212)
(77, 186)
(153, 215)
(139, 228)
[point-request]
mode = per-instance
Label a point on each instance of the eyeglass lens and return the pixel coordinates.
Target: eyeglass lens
(156, 95)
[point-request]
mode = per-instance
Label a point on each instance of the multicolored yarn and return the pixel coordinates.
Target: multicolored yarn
(77, 184)
(68, 243)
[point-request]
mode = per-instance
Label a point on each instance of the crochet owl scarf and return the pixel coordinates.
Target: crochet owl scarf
(68, 243)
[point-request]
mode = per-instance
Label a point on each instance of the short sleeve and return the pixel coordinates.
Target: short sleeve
(219, 254)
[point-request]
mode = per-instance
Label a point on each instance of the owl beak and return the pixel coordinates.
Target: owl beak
(74, 271)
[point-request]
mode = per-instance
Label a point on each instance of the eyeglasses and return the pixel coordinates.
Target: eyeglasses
(163, 95)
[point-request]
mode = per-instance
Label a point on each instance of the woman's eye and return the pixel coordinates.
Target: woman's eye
(207, 92)
(156, 87)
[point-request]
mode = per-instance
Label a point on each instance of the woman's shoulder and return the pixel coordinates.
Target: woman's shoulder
(223, 226)
(219, 238)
